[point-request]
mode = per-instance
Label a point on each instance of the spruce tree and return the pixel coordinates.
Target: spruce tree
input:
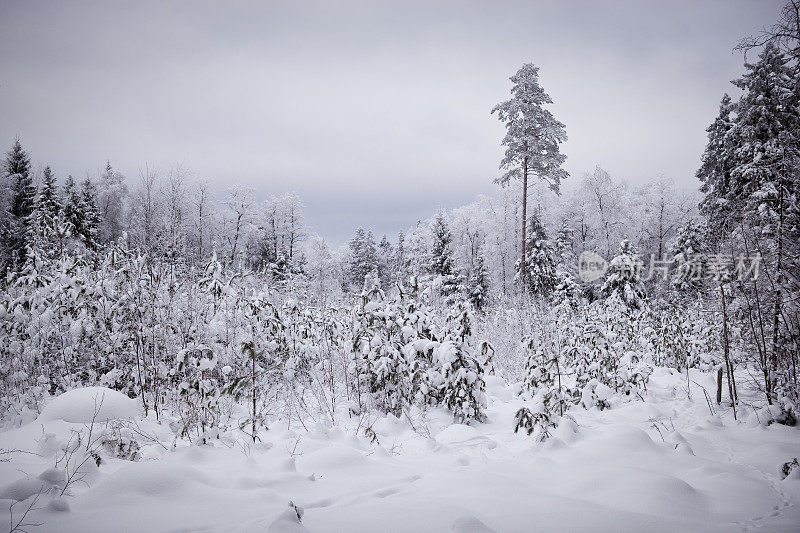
(442, 263)
(385, 261)
(688, 253)
(72, 209)
(532, 141)
(479, 284)
(464, 385)
(767, 159)
(623, 280)
(565, 258)
(91, 214)
(541, 270)
(363, 258)
(400, 259)
(17, 170)
(719, 202)
(48, 203)
(44, 220)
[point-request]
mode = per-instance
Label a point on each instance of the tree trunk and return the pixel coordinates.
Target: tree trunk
(778, 294)
(523, 268)
(726, 350)
(719, 386)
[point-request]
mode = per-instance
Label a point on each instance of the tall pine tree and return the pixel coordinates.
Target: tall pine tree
(767, 176)
(533, 139)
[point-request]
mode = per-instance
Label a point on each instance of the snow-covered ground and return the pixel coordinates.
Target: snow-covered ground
(662, 465)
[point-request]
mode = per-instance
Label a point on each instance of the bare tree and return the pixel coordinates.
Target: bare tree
(240, 201)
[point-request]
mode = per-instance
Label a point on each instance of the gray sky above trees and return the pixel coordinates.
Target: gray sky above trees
(375, 113)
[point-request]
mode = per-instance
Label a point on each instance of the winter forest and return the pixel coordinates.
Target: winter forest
(571, 352)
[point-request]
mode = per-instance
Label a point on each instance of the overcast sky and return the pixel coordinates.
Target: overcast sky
(375, 113)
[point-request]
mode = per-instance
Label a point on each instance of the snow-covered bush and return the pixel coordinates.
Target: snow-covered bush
(199, 393)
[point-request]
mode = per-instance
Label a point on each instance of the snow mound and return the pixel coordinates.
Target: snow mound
(81, 406)
(288, 521)
(457, 434)
(332, 457)
(497, 387)
(151, 479)
(470, 524)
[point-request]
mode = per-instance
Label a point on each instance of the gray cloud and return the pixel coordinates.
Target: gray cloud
(375, 113)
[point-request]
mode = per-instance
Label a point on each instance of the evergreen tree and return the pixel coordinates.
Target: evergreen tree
(385, 261)
(463, 387)
(17, 170)
(768, 144)
(442, 263)
(71, 206)
(363, 257)
(541, 270)
(543, 379)
(566, 291)
(90, 215)
(767, 157)
(532, 141)
(719, 202)
(48, 203)
(688, 253)
(381, 361)
(479, 284)
(400, 259)
(566, 261)
(623, 280)
(44, 225)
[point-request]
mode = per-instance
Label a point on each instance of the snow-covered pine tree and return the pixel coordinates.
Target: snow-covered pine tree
(540, 277)
(420, 340)
(401, 259)
(442, 262)
(90, 216)
(533, 138)
(623, 280)
(363, 258)
(17, 170)
(566, 292)
(72, 207)
(478, 288)
(385, 256)
(381, 364)
(720, 201)
(43, 227)
(544, 383)
(565, 258)
(688, 252)
(463, 387)
(767, 158)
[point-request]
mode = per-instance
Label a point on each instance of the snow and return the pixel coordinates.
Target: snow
(666, 464)
(84, 405)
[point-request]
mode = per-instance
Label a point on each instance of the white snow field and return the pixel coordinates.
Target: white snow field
(662, 465)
